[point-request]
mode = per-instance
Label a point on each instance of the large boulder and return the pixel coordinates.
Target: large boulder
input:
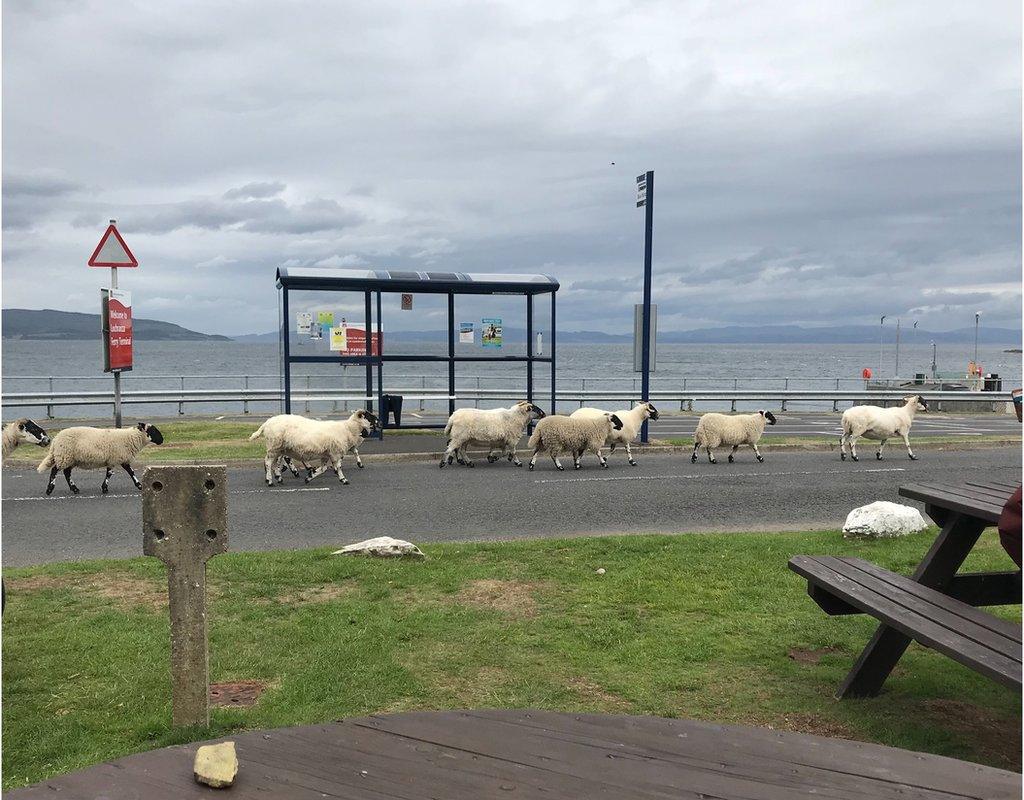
(382, 547)
(883, 520)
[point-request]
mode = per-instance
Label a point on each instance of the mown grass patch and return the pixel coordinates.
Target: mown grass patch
(704, 626)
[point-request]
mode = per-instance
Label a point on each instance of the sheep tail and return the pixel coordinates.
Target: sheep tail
(46, 463)
(257, 433)
(448, 430)
(534, 439)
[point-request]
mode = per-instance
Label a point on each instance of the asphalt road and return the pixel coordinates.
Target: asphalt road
(419, 502)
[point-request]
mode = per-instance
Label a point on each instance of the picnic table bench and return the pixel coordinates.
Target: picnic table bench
(472, 755)
(936, 606)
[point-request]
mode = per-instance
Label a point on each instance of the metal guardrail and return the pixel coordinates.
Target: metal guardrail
(309, 394)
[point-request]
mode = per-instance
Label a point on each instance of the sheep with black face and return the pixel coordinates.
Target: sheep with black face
(96, 448)
(558, 434)
(22, 431)
(715, 430)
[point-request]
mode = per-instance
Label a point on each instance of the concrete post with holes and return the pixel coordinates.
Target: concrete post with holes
(184, 523)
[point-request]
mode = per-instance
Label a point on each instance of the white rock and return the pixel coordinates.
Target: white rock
(381, 546)
(216, 765)
(600, 570)
(883, 520)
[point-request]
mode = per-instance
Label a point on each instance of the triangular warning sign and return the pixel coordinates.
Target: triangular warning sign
(112, 251)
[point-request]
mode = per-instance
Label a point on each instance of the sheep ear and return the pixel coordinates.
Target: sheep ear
(141, 426)
(761, 413)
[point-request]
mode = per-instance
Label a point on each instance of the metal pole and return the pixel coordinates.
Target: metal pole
(648, 235)
(451, 353)
(935, 374)
(181, 406)
(880, 331)
(380, 364)
(553, 411)
(368, 404)
(287, 353)
(529, 352)
(245, 403)
(977, 319)
(117, 373)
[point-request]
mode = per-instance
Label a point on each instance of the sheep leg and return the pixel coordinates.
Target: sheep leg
(533, 461)
(104, 487)
(314, 473)
(52, 481)
(341, 475)
(693, 458)
(71, 483)
(852, 441)
(131, 474)
(842, 447)
(732, 455)
(493, 455)
(463, 459)
(711, 456)
(576, 459)
(359, 461)
(906, 441)
(558, 464)
(446, 456)
(760, 458)
(513, 456)
(291, 467)
(268, 463)
(629, 454)
(878, 454)
(602, 459)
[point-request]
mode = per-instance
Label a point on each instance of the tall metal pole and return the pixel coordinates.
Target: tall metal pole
(451, 353)
(117, 373)
(897, 347)
(881, 329)
(934, 365)
(977, 318)
(286, 350)
(645, 390)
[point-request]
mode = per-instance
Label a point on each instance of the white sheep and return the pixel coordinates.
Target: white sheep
(632, 419)
(22, 430)
(874, 422)
(558, 434)
(715, 430)
(93, 448)
(323, 442)
(498, 429)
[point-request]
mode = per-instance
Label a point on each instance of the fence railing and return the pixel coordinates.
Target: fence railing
(339, 399)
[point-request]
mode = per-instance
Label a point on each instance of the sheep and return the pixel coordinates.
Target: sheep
(22, 430)
(714, 430)
(873, 422)
(500, 429)
(558, 434)
(632, 419)
(313, 441)
(92, 448)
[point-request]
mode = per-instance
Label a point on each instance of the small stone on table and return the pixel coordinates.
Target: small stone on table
(216, 765)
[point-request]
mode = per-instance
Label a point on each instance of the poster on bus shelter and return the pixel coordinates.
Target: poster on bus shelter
(349, 339)
(465, 333)
(303, 322)
(116, 317)
(490, 334)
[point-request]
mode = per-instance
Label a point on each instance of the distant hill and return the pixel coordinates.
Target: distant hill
(23, 323)
(736, 334)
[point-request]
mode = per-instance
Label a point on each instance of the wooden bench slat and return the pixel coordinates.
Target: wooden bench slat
(983, 498)
(991, 494)
(988, 513)
(1001, 668)
(1004, 628)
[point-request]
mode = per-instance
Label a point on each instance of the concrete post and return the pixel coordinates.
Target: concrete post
(181, 407)
(184, 524)
(245, 403)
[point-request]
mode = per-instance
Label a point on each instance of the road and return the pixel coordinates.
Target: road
(419, 502)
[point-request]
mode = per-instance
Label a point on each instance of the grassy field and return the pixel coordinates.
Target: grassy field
(704, 626)
(229, 441)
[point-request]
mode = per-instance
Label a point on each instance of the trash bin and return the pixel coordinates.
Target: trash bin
(993, 383)
(1016, 395)
(392, 405)
(919, 378)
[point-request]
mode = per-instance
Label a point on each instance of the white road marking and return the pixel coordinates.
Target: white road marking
(139, 494)
(718, 474)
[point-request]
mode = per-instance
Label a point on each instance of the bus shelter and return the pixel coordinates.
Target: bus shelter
(372, 284)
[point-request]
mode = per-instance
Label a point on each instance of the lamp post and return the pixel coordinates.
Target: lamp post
(977, 318)
(881, 323)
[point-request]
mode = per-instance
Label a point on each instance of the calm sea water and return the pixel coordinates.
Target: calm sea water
(603, 366)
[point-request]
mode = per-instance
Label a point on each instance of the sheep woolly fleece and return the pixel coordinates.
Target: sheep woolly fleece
(494, 427)
(714, 429)
(93, 448)
(311, 440)
(558, 434)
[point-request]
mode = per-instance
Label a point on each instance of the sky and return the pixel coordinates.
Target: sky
(816, 163)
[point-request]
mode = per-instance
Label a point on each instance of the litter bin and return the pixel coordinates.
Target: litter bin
(1016, 395)
(993, 383)
(919, 378)
(392, 405)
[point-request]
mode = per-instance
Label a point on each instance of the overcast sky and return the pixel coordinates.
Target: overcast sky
(815, 162)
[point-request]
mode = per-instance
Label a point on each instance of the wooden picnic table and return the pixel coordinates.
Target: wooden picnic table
(538, 754)
(936, 605)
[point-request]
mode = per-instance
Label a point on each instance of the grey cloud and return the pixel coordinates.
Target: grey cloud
(40, 185)
(255, 191)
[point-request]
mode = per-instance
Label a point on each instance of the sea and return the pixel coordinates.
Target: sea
(78, 366)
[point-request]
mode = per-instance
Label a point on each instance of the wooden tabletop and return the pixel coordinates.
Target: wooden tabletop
(983, 499)
(538, 754)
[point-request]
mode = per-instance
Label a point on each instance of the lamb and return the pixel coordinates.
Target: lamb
(558, 434)
(714, 430)
(313, 441)
(499, 429)
(22, 430)
(632, 419)
(873, 422)
(93, 448)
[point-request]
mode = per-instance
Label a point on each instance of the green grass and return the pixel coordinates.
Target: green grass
(692, 626)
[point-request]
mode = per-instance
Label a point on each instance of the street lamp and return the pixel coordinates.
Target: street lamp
(977, 318)
(881, 322)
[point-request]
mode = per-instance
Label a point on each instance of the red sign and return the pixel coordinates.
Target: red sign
(112, 251)
(355, 342)
(117, 330)
(406, 302)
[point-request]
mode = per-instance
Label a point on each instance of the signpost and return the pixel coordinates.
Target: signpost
(645, 198)
(116, 311)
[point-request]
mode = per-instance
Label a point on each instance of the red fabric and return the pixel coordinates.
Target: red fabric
(1010, 527)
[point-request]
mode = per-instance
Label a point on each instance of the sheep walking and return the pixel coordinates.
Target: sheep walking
(498, 429)
(632, 419)
(874, 422)
(558, 434)
(95, 448)
(321, 442)
(715, 430)
(22, 430)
